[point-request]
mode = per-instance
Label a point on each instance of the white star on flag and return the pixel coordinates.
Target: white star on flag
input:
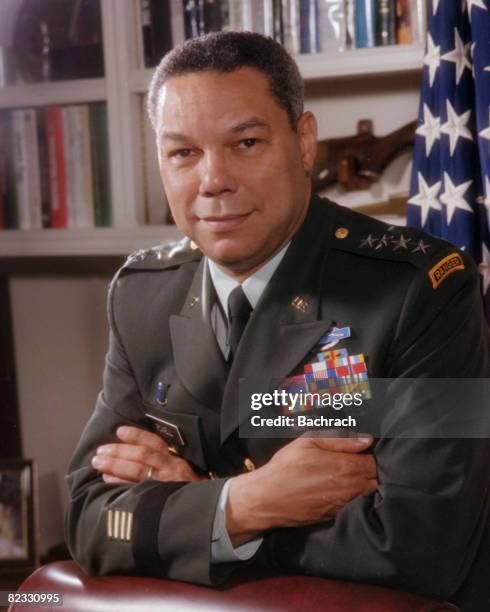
(484, 267)
(426, 198)
(455, 126)
(453, 197)
(469, 4)
(430, 129)
(435, 6)
(459, 55)
(432, 58)
(487, 69)
(486, 199)
(485, 133)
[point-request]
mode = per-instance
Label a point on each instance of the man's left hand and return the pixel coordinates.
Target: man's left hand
(139, 455)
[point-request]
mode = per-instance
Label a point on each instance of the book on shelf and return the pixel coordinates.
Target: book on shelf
(53, 117)
(404, 33)
(7, 176)
(386, 22)
(177, 21)
(302, 26)
(309, 26)
(54, 167)
(145, 29)
(42, 149)
(233, 15)
(333, 25)
(26, 168)
(100, 165)
(365, 23)
(80, 201)
(193, 18)
(212, 16)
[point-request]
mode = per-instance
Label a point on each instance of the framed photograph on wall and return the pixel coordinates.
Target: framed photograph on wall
(19, 534)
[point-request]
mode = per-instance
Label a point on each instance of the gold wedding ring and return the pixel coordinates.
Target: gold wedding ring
(149, 473)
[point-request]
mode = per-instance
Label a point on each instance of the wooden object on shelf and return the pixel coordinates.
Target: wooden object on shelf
(358, 161)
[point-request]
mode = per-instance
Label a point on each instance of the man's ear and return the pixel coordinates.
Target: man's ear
(307, 134)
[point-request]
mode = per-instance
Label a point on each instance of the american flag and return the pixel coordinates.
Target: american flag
(450, 185)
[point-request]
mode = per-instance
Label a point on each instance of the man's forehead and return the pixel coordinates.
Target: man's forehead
(210, 77)
(212, 91)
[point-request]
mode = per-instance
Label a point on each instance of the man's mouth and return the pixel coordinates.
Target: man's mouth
(225, 223)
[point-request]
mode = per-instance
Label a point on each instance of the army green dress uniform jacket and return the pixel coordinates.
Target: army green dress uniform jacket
(412, 314)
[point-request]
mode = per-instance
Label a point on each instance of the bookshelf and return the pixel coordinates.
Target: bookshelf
(341, 65)
(134, 176)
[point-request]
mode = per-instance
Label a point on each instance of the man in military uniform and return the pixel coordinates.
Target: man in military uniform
(267, 273)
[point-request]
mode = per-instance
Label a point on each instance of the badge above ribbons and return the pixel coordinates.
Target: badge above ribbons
(334, 371)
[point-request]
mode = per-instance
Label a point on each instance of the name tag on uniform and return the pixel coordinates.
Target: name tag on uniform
(169, 432)
(335, 335)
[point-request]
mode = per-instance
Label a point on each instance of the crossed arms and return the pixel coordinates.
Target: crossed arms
(306, 482)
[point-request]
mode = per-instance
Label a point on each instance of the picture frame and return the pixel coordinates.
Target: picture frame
(19, 530)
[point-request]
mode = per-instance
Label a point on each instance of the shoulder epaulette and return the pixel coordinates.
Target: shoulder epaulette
(368, 237)
(163, 256)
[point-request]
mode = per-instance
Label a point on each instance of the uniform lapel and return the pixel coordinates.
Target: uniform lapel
(286, 323)
(199, 362)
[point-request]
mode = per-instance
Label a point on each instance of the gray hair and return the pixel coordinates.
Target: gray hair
(227, 52)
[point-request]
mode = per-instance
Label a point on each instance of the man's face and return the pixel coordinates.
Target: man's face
(234, 171)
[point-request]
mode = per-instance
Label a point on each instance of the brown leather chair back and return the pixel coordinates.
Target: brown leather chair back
(82, 593)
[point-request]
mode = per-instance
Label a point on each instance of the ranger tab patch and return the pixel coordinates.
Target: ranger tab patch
(444, 268)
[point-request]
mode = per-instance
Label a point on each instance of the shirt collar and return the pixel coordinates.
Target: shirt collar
(253, 286)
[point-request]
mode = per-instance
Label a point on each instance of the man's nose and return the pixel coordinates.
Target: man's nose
(216, 175)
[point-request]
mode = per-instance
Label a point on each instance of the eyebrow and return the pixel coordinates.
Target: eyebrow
(250, 123)
(236, 129)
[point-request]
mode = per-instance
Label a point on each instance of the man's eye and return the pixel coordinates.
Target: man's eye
(181, 153)
(248, 143)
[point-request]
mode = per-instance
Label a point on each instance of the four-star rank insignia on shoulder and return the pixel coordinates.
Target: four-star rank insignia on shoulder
(394, 242)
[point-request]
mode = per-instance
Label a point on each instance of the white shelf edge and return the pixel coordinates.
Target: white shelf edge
(362, 62)
(86, 242)
(350, 63)
(53, 92)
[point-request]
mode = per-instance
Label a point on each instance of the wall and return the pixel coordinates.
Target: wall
(60, 334)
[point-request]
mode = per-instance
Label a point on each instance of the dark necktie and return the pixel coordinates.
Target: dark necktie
(239, 310)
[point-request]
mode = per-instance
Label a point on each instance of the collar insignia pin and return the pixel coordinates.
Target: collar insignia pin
(300, 304)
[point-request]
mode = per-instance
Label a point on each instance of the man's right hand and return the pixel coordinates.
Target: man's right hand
(308, 481)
